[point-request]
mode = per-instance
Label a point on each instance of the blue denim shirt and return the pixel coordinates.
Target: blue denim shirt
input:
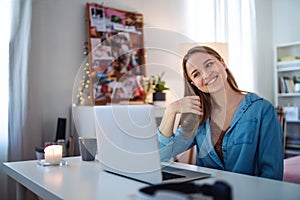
(252, 145)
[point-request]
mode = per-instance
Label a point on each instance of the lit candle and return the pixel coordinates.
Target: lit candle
(53, 154)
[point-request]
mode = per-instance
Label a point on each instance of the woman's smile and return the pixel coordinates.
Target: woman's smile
(211, 81)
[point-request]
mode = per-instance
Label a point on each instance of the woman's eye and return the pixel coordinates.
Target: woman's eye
(196, 74)
(209, 64)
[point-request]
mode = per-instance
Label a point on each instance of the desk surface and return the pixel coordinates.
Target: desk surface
(85, 180)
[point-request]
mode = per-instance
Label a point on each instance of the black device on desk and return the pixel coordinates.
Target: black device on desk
(220, 190)
(61, 129)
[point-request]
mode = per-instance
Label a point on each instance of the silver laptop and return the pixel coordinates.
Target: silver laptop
(128, 146)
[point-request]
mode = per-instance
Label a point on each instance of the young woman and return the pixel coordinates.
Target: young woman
(233, 130)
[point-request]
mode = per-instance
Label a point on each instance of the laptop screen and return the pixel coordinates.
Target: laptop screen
(127, 140)
(127, 144)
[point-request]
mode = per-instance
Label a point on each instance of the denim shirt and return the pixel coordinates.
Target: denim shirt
(253, 144)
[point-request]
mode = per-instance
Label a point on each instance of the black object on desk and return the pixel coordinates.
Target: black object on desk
(220, 190)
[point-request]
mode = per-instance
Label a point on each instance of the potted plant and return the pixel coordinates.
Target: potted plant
(153, 84)
(159, 86)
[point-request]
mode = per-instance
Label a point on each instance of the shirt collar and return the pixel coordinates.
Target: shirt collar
(249, 99)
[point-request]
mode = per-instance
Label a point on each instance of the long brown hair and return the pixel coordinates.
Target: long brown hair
(191, 121)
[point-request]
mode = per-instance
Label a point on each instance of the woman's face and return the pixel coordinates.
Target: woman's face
(206, 72)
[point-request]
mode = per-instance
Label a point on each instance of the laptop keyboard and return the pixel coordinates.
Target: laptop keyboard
(168, 176)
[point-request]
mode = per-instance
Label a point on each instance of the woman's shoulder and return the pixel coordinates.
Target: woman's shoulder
(253, 97)
(257, 100)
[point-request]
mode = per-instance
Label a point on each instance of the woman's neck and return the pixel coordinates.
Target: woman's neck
(224, 98)
(224, 104)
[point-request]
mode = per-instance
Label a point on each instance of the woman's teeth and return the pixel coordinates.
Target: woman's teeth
(212, 81)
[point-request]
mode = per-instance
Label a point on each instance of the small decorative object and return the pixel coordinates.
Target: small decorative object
(297, 83)
(87, 148)
(155, 85)
(39, 153)
(53, 154)
(159, 88)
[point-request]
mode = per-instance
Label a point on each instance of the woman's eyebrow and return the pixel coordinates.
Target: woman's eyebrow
(194, 71)
(208, 60)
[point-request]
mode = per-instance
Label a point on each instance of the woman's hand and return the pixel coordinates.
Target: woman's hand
(188, 104)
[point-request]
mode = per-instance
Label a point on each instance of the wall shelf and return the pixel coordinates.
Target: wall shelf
(288, 95)
(288, 69)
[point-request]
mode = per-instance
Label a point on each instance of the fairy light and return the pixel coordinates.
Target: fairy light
(83, 95)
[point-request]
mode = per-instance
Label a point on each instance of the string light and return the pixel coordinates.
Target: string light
(83, 95)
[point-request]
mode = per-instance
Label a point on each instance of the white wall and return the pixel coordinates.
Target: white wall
(58, 35)
(286, 18)
(264, 49)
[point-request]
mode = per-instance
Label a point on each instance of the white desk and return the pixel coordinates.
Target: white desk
(84, 180)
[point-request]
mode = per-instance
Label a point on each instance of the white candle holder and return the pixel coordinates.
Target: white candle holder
(45, 164)
(53, 156)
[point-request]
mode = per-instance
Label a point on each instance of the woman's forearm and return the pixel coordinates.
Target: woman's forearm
(167, 122)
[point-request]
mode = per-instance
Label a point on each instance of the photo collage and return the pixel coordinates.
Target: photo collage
(116, 53)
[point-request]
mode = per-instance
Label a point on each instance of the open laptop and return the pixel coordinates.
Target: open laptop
(128, 146)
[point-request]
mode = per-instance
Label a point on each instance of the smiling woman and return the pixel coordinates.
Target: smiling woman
(233, 130)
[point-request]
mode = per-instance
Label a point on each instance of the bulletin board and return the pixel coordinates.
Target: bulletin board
(115, 54)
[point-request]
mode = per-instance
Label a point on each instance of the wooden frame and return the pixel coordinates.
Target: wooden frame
(115, 53)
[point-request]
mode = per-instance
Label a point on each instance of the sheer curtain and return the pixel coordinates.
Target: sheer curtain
(19, 49)
(242, 42)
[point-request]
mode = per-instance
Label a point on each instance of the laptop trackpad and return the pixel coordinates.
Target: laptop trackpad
(168, 176)
(169, 173)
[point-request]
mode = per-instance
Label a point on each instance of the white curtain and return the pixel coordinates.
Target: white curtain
(19, 49)
(242, 43)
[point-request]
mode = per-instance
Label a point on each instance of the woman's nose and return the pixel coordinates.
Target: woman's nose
(205, 74)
